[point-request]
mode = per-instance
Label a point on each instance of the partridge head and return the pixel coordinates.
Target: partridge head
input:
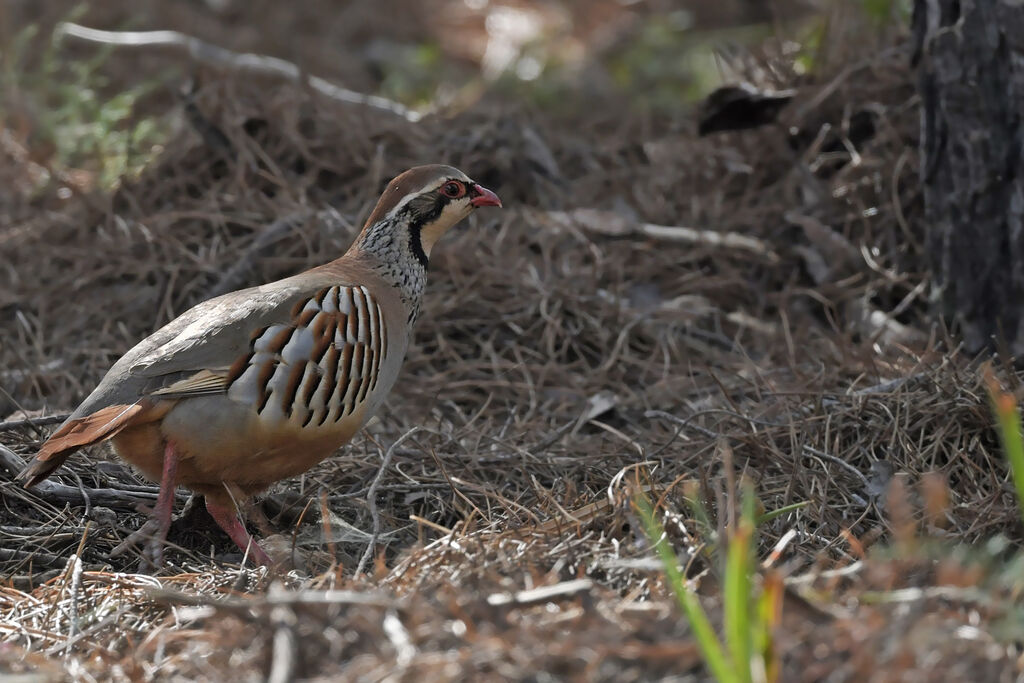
(259, 385)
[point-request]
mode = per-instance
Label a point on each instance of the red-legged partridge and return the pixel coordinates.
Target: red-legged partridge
(261, 384)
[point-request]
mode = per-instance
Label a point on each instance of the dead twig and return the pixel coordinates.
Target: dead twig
(235, 275)
(371, 497)
(807, 450)
(542, 594)
(285, 645)
(399, 637)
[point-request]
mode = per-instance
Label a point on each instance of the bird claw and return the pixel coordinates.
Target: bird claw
(151, 537)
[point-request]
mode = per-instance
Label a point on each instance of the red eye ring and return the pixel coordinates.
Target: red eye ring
(453, 189)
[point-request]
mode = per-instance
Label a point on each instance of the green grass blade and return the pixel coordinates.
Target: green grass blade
(1005, 407)
(774, 514)
(711, 648)
(737, 601)
(737, 588)
(691, 494)
(769, 615)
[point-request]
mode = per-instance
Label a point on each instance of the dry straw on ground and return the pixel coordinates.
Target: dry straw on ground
(562, 359)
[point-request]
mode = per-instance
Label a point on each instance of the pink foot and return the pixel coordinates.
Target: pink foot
(227, 519)
(153, 534)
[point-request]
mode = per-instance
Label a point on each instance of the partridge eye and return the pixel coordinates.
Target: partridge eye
(453, 189)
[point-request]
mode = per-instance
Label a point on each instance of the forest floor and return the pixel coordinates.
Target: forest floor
(652, 312)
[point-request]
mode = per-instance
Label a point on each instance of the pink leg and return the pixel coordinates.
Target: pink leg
(164, 506)
(153, 533)
(227, 519)
(165, 499)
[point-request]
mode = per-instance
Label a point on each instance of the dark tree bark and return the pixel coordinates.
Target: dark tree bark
(970, 56)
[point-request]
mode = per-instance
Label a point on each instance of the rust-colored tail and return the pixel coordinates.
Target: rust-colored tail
(101, 425)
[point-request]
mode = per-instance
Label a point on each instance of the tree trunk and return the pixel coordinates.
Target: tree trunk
(971, 82)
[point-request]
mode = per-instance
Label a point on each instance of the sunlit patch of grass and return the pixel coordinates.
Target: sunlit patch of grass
(63, 110)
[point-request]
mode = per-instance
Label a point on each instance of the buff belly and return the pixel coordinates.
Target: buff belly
(220, 441)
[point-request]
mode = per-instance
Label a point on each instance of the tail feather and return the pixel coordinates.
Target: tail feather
(82, 431)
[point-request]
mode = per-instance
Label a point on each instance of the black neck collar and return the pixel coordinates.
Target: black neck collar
(416, 244)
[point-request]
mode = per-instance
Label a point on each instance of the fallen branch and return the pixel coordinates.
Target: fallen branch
(214, 55)
(114, 499)
(615, 225)
(62, 494)
(711, 238)
(27, 582)
(35, 557)
(33, 422)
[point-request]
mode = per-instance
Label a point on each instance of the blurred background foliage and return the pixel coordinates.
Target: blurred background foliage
(94, 114)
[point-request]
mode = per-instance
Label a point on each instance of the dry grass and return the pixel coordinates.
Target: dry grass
(555, 367)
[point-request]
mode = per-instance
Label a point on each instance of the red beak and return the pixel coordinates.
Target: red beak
(483, 197)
